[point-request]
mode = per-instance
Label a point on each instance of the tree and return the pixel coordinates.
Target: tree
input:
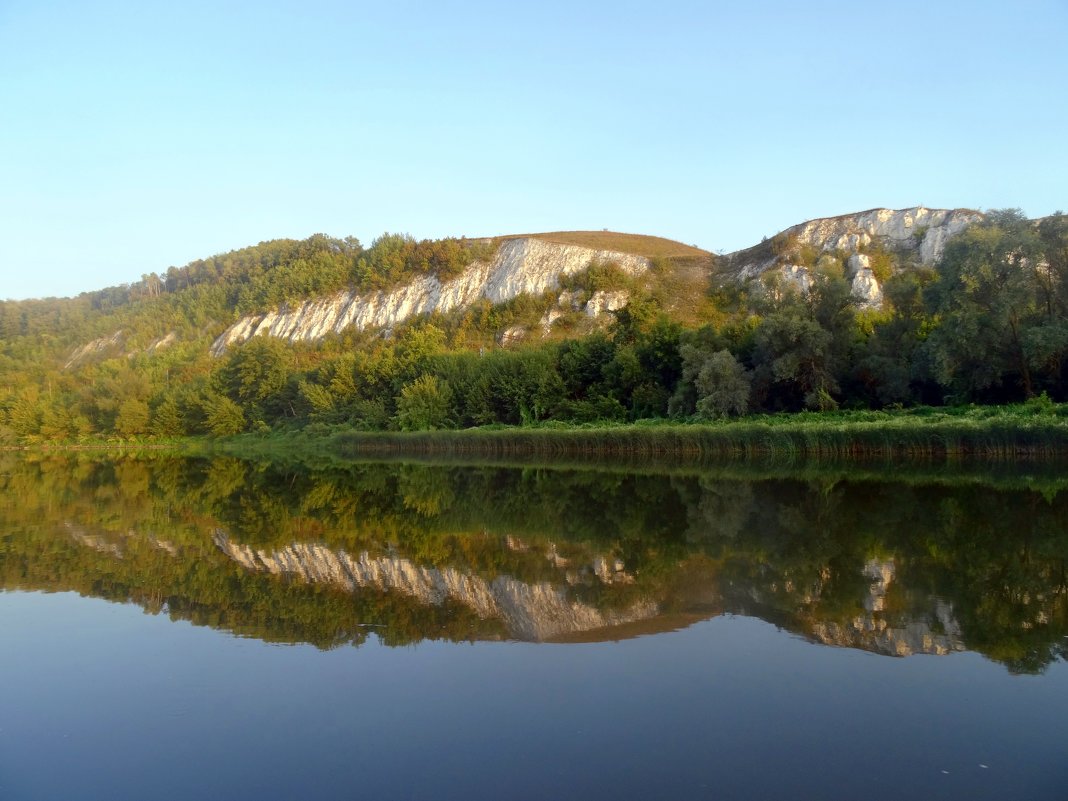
(713, 382)
(424, 404)
(794, 358)
(723, 386)
(24, 413)
(890, 366)
(987, 297)
(222, 417)
(132, 418)
(255, 374)
(520, 386)
(804, 344)
(167, 420)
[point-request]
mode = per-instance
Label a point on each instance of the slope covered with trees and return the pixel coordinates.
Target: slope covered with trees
(987, 324)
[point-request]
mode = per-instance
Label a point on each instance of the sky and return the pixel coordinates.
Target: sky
(135, 136)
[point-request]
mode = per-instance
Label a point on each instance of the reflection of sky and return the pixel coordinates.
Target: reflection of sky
(103, 701)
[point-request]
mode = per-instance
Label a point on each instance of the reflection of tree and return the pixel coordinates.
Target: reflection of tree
(722, 510)
(983, 565)
(424, 490)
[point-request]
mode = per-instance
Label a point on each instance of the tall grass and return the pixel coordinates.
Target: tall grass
(874, 436)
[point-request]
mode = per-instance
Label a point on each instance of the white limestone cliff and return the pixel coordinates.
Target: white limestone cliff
(918, 231)
(920, 228)
(113, 345)
(525, 265)
(95, 348)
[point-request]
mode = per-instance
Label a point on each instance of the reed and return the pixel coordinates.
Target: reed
(942, 438)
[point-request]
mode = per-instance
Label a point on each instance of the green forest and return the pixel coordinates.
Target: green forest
(986, 325)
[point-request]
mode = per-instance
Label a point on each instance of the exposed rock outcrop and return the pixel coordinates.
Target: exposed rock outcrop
(531, 612)
(521, 266)
(113, 346)
(919, 232)
(97, 347)
(605, 301)
(924, 230)
(163, 342)
(114, 543)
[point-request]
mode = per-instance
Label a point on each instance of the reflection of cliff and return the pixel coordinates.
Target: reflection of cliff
(933, 632)
(113, 543)
(930, 629)
(900, 639)
(529, 611)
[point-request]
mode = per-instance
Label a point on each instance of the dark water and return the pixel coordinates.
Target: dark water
(409, 631)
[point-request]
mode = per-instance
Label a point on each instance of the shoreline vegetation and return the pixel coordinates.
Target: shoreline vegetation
(734, 370)
(809, 436)
(1036, 430)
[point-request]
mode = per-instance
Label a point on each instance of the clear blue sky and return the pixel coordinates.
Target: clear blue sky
(139, 135)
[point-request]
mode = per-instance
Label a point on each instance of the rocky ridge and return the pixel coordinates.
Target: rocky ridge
(96, 347)
(525, 265)
(918, 233)
(534, 265)
(112, 345)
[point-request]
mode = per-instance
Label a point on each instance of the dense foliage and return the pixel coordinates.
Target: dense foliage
(988, 324)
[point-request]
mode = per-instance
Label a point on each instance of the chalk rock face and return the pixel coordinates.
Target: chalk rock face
(916, 624)
(604, 301)
(511, 335)
(937, 634)
(162, 342)
(550, 317)
(856, 263)
(95, 348)
(524, 265)
(926, 230)
(920, 232)
(796, 275)
(114, 345)
(865, 287)
(529, 611)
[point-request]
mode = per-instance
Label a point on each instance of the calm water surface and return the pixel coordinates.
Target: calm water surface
(216, 629)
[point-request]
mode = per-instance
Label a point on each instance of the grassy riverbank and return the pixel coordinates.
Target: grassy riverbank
(1031, 431)
(999, 433)
(1003, 433)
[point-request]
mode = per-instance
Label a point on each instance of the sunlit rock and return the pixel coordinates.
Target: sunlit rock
(520, 266)
(605, 301)
(918, 235)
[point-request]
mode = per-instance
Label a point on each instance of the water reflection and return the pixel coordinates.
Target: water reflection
(288, 553)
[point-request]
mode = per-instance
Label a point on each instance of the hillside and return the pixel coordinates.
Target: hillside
(865, 243)
(651, 247)
(868, 309)
(527, 266)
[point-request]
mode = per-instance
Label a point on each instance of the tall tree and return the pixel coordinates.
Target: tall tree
(987, 296)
